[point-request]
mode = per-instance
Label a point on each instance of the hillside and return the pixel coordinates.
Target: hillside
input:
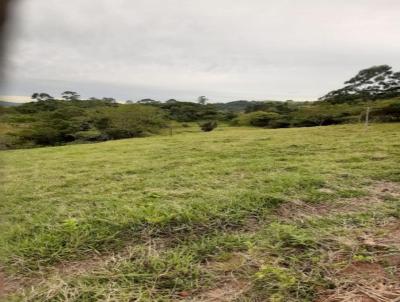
(238, 214)
(54, 122)
(8, 104)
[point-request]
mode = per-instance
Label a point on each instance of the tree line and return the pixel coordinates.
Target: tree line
(48, 121)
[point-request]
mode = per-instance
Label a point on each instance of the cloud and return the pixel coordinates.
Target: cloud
(224, 49)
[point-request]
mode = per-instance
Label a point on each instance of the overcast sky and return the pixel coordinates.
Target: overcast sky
(224, 49)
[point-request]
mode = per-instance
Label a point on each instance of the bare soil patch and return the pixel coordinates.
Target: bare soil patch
(231, 284)
(362, 281)
(3, 285)
(227, 291)
(300, 210)
(375, 281)
(8, 285)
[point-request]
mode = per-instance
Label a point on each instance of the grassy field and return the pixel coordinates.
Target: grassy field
(233, 215)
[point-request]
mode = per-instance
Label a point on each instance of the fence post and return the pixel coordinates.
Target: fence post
(367, 118)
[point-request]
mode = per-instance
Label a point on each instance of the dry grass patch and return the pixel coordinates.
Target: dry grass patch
(377, 194)
(376, 278)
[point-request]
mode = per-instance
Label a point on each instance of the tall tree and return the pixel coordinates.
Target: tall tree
(202, 100)
(372, 83)
(41, 96)
(70, 96)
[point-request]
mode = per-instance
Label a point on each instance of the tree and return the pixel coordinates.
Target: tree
(376, 82)
(70, 96)
(129, 102)
(259, 118)
(202, 100)
(42, 96)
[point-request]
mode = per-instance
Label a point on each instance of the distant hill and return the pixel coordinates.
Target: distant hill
(8, 104)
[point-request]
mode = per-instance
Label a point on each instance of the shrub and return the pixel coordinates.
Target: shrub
(41, 135)
(280, 123)
(130, 121)
(8, 141)
(258, 119)
(90, 136)
(389, 113)
(208, 126)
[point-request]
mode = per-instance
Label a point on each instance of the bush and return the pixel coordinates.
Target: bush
(280, 123)
(130, 121)
(208, 126)
(258, 119)
(389, 113)
(41, 135)
(90, 136)
(8, 141)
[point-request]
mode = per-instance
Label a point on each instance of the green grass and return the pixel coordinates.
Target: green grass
(197, 193)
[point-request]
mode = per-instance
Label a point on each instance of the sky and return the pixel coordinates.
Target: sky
(224, 49)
